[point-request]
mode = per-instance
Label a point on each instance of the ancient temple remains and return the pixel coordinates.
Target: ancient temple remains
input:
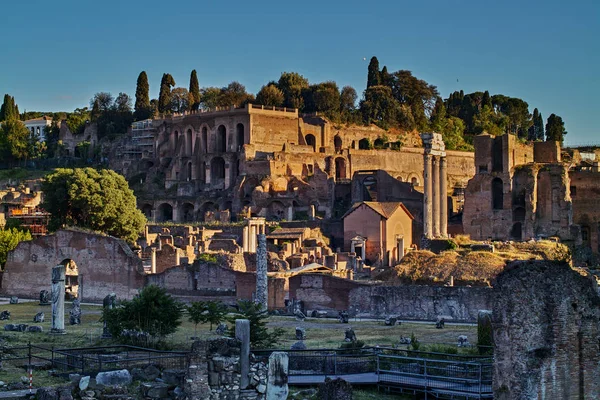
(435, 203)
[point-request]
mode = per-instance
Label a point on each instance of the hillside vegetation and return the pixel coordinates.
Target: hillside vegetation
(466, 266)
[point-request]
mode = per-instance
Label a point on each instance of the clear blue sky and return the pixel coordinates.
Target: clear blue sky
(56, 55)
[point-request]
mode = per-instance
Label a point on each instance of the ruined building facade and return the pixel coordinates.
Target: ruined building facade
(523, 191)
(274, 162)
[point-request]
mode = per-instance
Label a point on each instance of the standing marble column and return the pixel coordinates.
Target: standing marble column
(245, 239)
(262, 284)
(253, 234)
(427, 197)
(58, 300)
(443, 198)
(435, 188)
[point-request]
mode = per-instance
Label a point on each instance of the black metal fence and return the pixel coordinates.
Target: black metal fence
(91, 360)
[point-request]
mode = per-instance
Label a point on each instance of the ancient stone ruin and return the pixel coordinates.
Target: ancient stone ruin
(546, 320)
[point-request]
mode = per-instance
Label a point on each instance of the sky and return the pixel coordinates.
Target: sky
(56, 55)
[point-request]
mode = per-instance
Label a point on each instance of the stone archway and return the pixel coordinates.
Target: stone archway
(311, 141)
(497, 194)
(221, 145)
(71, 279)
(147, 210)
(240, 135)
(165, 212)
(340, 168)
(187, 212)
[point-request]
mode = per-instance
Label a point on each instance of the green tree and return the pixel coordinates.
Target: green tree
(270, 95)
(379, 106)
(416, 94)
(77, 120)
(180, 100)
(98, 200)
(14, 140)
(373, 74)
(9, 239)
(536, 130)
(386, 78)
(292, 84)
(235, 95)
(122, 103)
(9, 109)
(555, 129)
(142, 97)
(194, 91)
(152, 311)
(438, 116)
(260, 336)
(210, 98)
(348, 104)
(164, 97)
(211, 312)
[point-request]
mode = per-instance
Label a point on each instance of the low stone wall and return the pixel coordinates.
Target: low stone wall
(421, 302)
(214, 372)
(327, 293)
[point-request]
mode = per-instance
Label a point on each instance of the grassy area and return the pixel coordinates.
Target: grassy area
(21, 174)
(321, 333)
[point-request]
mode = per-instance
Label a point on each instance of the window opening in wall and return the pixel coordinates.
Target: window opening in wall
(497, 155)
(497, 194)
(573, 190)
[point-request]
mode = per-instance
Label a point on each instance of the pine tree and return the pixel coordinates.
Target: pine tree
(142, 97)
(555, 129)
(194, 91)
(373, 76)
(164, 97)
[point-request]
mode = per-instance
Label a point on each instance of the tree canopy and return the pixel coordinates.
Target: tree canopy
(100, 200)
(194, 91)
(555, 128)
(164, 97)
(9, 239)
(142, 98)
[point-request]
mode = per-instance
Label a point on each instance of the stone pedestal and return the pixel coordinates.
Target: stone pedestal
(277, 378)
(58, 300)
(242, 333)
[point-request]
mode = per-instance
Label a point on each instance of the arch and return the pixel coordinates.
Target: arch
(586, 236)
(399, 178)
(188, 143)
(165, 212)
(206, 207)
(187, 212)
(204, 139)
(519, 214)
(221, 139)
(414, 181)
(311, 141)
(497, 194)
(228, 205)
(71, 279)
(340, 168)
(217, 170)
(337, 143)
(175, 140)
(364, 144)
(189, 171)
(370, 188)
(201, 174)
(147, 210)
(517, 231)
(276, 211)
(239, 129)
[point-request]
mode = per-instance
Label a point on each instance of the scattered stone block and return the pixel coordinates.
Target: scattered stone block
(349, 335)
(299, 315)
(277, 376)
(75, 313)
(404, 340)
(343, 317)
(114, 378)
(440, 323)
(14, 300)
(391, 321)
(335, 389)
(44, 298)
(10, 327)
(221, 329)
(155, 390)
(4, 315)
(39, 318)
(483, 247)
(300, 333)
(299, 345)
(84, 382)
(22, 327)
(463, 341)
(35, 328)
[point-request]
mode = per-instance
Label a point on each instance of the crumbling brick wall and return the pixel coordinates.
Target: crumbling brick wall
(546, 321)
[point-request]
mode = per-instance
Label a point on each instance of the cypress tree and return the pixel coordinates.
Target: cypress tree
(539, 125)
(555, 128)
(164, 97)
(373, 75)
(9, 109)
(486, 100)
(194, 91)
(142, 97)
(386, 78)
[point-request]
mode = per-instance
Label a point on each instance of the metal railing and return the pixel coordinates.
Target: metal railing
(91, 360)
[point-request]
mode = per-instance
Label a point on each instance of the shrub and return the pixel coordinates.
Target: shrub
(260, 336)
(414, 342)
(152, 311)
(207, 258)
(212, 312)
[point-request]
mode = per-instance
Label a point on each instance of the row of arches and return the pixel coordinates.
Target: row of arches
(186, 212)
(185, 144)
